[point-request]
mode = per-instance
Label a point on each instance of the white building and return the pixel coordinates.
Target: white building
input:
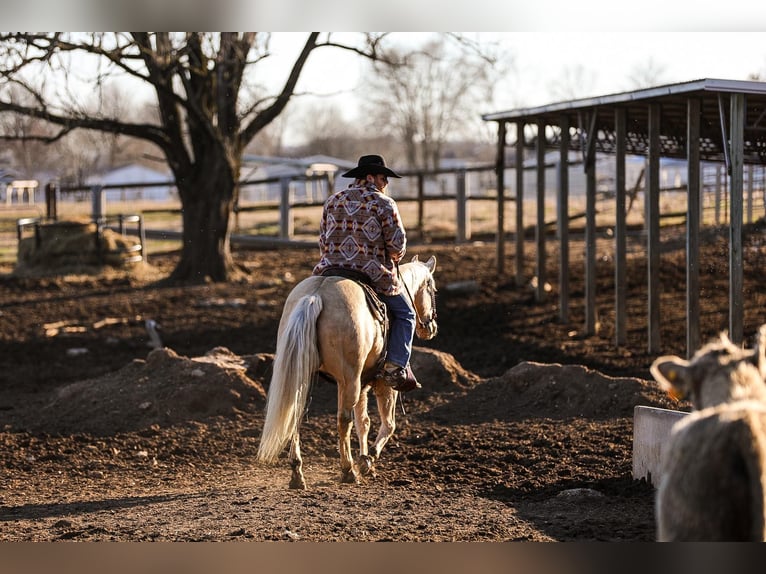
(272, 170)
(135, 182)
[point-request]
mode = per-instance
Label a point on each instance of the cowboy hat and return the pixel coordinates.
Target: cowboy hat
(370, 164)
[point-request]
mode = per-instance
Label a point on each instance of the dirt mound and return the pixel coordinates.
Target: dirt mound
(438, 371)
(167, 389)
(162, 390)
(556, 391)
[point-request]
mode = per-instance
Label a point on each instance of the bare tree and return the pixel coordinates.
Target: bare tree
(326, 130)
(573, 82)
(208, 110)
(646, 74)
(433, 96)
(27, 154)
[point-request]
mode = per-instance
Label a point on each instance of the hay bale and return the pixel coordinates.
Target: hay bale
(67, 245)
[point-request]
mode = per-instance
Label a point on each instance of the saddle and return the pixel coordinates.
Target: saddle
(377, 310)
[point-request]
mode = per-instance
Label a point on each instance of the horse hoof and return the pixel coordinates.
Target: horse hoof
(298, 484)
(365, 465)
(349, 478)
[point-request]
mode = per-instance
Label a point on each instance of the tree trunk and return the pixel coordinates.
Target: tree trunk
(207, 200)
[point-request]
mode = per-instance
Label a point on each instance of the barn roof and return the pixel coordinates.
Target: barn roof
(672, 99)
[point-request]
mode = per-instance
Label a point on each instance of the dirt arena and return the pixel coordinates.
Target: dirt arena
(522, 431)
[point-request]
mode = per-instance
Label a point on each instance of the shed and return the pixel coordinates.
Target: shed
(700, 120)
(135, 182)
(264, 177)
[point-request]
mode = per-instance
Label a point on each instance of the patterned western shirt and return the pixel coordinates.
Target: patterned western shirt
(361, 229)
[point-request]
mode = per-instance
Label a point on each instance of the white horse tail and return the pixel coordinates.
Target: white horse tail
(296, 360)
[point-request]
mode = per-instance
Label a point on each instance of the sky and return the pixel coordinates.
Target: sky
(542, 60)
(586, 54)
(610, 59)
(593, 64)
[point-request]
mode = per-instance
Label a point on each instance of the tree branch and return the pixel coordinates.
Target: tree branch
(265, 117)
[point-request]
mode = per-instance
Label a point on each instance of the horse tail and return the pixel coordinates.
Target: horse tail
(295, 361)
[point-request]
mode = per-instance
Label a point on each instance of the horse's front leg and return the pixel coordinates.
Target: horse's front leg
(386, 397)
(296, 463)
(362, 422)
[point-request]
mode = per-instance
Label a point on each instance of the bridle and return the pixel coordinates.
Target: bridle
(431, 292)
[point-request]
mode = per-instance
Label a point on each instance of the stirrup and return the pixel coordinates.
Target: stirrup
(401, 379)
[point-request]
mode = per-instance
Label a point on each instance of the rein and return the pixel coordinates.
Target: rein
(423, 324)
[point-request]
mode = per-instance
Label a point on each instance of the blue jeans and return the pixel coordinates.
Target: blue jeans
(402, 328)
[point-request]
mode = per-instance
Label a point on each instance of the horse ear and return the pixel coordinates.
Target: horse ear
(431, 263)
(414, 259)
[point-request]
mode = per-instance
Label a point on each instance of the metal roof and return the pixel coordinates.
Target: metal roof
(672, 100)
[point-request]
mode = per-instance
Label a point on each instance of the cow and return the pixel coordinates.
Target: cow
(714, 464)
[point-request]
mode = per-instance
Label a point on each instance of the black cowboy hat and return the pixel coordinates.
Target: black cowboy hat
(370, 164)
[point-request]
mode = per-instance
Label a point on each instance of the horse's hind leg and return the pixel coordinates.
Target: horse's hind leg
(345, 419)
(362, 422)
(347, 473)
(386, 397)
(296, 463)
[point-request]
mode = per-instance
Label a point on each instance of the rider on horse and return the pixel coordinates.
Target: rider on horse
(361, 231)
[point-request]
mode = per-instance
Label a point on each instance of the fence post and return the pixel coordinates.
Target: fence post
(142, 238)
(286, 226)
(463, 219)
(421, 204)
(97, 203)
(50, 200)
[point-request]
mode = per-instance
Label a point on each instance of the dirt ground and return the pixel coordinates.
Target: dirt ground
(522, 431)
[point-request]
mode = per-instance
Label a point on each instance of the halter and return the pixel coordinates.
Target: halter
(431, 292)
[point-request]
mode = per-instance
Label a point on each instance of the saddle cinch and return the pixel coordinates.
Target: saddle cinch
(377, 309)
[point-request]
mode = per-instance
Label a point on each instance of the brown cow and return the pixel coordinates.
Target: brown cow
(714, 464)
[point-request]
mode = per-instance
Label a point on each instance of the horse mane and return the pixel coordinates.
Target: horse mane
(417, 270)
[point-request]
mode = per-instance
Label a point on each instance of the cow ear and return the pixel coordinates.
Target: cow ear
(672, 374)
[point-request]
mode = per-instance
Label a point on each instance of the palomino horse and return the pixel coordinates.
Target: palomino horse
(327, 326)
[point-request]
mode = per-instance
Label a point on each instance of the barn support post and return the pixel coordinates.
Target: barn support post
(736, 283)
(653, 229)
(620, 231)
(590, 225)
(519, 164)
(500, 175)
(540, 225)
(693, 226)
(563, 220)
(750, 189)
(718, 188)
